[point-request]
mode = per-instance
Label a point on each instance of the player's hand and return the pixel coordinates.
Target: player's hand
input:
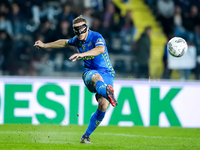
(76, 56)
(39, 44)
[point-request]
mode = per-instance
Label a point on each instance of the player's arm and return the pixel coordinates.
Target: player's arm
(56, 44)
(93, 52)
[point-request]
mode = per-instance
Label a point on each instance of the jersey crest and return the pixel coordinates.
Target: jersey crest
(83, 46)
(99, 41)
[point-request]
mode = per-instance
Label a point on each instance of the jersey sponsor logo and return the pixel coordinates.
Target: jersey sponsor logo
(90, 44)
(88, 57)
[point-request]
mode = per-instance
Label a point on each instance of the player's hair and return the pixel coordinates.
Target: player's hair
(79, 19)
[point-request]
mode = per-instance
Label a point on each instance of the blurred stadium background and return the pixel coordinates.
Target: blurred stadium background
(152, 87)
(121, 23)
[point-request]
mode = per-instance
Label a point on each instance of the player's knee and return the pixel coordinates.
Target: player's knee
(103, 107)
(97, 77)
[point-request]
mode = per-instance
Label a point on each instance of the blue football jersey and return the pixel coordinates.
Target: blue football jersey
(101, 62)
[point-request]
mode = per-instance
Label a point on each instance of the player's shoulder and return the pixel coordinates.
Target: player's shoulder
(73, 41)
(97, 38)
(95, 35)
(75, 38)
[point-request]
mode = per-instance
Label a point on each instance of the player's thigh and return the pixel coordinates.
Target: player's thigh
(103, 104)
(107, 78)
(87, 78)
(92, 76)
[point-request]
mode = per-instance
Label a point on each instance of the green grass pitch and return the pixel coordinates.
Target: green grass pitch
(56, 137)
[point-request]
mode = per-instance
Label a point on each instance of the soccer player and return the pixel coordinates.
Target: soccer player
(98, 72)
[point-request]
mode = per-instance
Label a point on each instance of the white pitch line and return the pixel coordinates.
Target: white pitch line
(114, 134)
(146, 136)
(23, 147)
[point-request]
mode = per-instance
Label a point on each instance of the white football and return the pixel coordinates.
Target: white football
(177, 46)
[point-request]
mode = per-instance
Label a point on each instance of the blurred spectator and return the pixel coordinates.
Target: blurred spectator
(108, 16)
(47, 32)
(88, 16)
(25, 21)
(25, 7)
(36, 14)
(64, 31)
(5, 50)
(192, 19)
(17, 20)
(112, 18)
(185, 63)
(197, 72)
(67, 14)
(106, 3)
(195, 3)
(166, 70)
(42, 10)
(5, 25)
(96, 24)
(21, 71)
(22, 53)
(197, 43)
(128, 31)
(184, 4)
(120, 66)
(197, 38)
(179, 29)
(95, 4)
(187, 23)
(166, 12)
(178, 18)
(151, 3)
(112, 28)
(5, 10)
(143, 53)
(43, 66)
(25, 56)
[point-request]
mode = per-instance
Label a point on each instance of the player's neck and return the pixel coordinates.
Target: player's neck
(85, 37)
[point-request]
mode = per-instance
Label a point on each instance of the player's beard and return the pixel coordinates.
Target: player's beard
(82, 37)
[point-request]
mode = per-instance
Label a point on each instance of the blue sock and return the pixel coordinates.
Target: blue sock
(95, 120)
(101, 88)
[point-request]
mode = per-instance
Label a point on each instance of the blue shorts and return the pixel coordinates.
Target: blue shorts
(87, 76)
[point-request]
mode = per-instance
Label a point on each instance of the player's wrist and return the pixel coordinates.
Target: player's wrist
(44, 46)
(82, 54)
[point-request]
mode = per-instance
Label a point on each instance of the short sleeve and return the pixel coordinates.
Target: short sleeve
(99, 40)
(72, 41)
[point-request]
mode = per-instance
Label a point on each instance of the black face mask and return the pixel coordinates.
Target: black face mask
(77, 30)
